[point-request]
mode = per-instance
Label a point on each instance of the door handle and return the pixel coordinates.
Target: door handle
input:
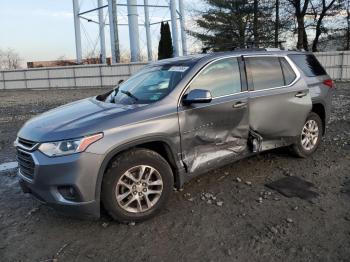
(239, 104)
(300, 94)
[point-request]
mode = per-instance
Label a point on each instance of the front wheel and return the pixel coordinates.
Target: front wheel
(136, 185)
(310, 136)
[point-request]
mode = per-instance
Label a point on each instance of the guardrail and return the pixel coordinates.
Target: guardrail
(82, 76)
(337, 64)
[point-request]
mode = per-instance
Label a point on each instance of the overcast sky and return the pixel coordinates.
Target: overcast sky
(44, 29)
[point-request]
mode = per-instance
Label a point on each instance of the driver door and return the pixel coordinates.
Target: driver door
(215, 133)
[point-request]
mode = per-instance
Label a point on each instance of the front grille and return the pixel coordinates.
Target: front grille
(26, 143)
(26, 164)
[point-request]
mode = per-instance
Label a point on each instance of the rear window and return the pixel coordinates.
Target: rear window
(265, 72)
(308, 64)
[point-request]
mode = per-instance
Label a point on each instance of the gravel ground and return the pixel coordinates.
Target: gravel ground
(218, 217)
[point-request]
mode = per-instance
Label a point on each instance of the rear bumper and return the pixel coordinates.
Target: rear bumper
(78, 171)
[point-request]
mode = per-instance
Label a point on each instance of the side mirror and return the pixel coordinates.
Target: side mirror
(197, 96)
(120, 81)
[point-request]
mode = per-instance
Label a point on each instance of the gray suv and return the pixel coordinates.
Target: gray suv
(127, 149)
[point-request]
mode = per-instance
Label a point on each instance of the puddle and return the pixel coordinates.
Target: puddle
(293, 186)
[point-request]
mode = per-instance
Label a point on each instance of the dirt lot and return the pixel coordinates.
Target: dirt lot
(244, 228)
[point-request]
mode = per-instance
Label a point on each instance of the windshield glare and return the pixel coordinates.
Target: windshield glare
(149, 85)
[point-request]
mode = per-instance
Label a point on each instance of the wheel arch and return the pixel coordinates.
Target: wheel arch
(158, 144)
(320, 110)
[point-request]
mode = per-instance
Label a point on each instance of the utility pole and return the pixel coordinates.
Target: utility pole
(174, 27)
(148, 31)
(182, 26)
(133, 30)
(102, 32)
(76, 10)
(113, 27)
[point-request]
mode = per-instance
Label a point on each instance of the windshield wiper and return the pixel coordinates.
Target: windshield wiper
(129, 94)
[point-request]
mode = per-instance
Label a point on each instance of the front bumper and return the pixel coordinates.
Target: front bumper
(51, 175)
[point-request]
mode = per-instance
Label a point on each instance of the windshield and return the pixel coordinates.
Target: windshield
(149, 85)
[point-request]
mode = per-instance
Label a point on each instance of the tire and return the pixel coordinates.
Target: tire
(304, 151)
(142, 192)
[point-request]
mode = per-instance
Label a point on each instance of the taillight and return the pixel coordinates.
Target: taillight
(329, 83)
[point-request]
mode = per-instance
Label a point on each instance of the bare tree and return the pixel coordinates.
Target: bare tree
(300, 9)
(9, 59)
(336, 36)
(283, 23)
(255, 23)
(347, 46)
(91, 57)
(277, 22)
(63, 61)
(124, 56)
(321, 9)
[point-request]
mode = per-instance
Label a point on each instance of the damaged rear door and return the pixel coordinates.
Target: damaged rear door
(215, 133)
(279, 100)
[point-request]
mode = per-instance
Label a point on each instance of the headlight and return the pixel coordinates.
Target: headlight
(67, 147)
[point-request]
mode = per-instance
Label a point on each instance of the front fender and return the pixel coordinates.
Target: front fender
(128, 145)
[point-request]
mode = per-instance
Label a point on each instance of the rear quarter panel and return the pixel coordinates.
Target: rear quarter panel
(320, 93)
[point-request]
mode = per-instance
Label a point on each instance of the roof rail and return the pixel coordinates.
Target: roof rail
(250, 49)
(273, 49)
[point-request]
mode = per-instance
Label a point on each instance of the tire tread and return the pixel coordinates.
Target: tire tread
(110, 177)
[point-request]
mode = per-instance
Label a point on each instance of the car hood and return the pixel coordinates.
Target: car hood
(77, 119)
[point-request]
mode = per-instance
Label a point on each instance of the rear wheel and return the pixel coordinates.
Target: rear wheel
(310, 136)
(136, 185)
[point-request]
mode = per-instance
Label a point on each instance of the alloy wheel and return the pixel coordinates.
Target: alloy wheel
(139, 189)
(309, 135)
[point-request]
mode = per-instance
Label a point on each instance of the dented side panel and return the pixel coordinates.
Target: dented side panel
(278, 112)
(214, 134)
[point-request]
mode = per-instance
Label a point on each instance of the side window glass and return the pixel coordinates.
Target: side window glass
(288, 72)
(265, 72)
(220, 78)
(308, 64)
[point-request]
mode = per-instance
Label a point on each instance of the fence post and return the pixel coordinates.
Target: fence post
(75, 79)
(3, 79)
(129, 69)
(100, 67)
(25, 79)
(341, 66)
(48, 77)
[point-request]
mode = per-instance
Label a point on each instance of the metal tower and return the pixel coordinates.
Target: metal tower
(101, 32)
(176, 13)
(76, 10)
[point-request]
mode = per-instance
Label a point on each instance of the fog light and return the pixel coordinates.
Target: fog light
(69, 193)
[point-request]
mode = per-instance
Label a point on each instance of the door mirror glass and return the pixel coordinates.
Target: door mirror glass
(197, 96)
